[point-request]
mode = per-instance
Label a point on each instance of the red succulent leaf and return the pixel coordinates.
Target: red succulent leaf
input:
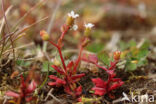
(28, 99)
(52, 83)
(99, 91)
(116, 85)
(116, 79)
(12, 94)
(70, 65)
(58, 69)
(93, 58)
(31, 87)
(78, 91)
(23, 83)
(90, 58)
(77, 76)
(53, 77)
(79, 99)
(111, 72)
(58, 82)
(67, 90)
(99, 82)
(111, 96)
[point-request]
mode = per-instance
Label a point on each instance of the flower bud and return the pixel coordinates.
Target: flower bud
(88, 28)
(70, 21)
(44, 35)
(71, 17)
(117, 55)
(87, 32)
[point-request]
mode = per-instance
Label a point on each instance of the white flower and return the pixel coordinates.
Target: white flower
(73, 15)
(89, 25)
(75, 27)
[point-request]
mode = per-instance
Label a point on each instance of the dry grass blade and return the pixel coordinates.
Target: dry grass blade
(26, 14)
(10, 38)
(51, 22)
(20, 33)
(27, 27)
(3, 20)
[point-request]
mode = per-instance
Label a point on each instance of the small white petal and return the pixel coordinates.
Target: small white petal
(89, 25)
(73, 15)
(75, 27)
(76, 15)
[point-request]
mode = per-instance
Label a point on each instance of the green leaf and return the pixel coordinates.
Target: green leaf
(145, 45)
(131, 66)
(132, 43)
(142, 54)
(104, 57)
(23, 63)
(142, 62)
(95, 47)
(123, 45)
(143, 51)
(45, 66)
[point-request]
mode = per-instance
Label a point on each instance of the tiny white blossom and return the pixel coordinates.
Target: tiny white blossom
(73, 15)
(75, 27)
(89, 25)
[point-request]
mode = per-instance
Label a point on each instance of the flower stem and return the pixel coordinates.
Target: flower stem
(60, 53)
(78, 60)
(113, 65)
(61, 56)
(59, 45)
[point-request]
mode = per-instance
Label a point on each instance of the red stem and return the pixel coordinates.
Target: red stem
(101, 67)
(109, 77)
(59, 47)
(61, 56)
(112, 66)
(108, 82)
(53, 43)
(78, 60)
(64, 32)
(60, 53)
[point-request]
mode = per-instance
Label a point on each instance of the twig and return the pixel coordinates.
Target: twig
(50, 94)
(5, 63)
(6, 36)
(5, 99)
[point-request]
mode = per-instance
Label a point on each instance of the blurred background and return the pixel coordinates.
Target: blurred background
(115, 20)
(125, 25)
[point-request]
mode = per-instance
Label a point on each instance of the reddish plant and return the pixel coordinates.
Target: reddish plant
(102, 87)
(69, 76)
(27, 87)
(69, 73)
